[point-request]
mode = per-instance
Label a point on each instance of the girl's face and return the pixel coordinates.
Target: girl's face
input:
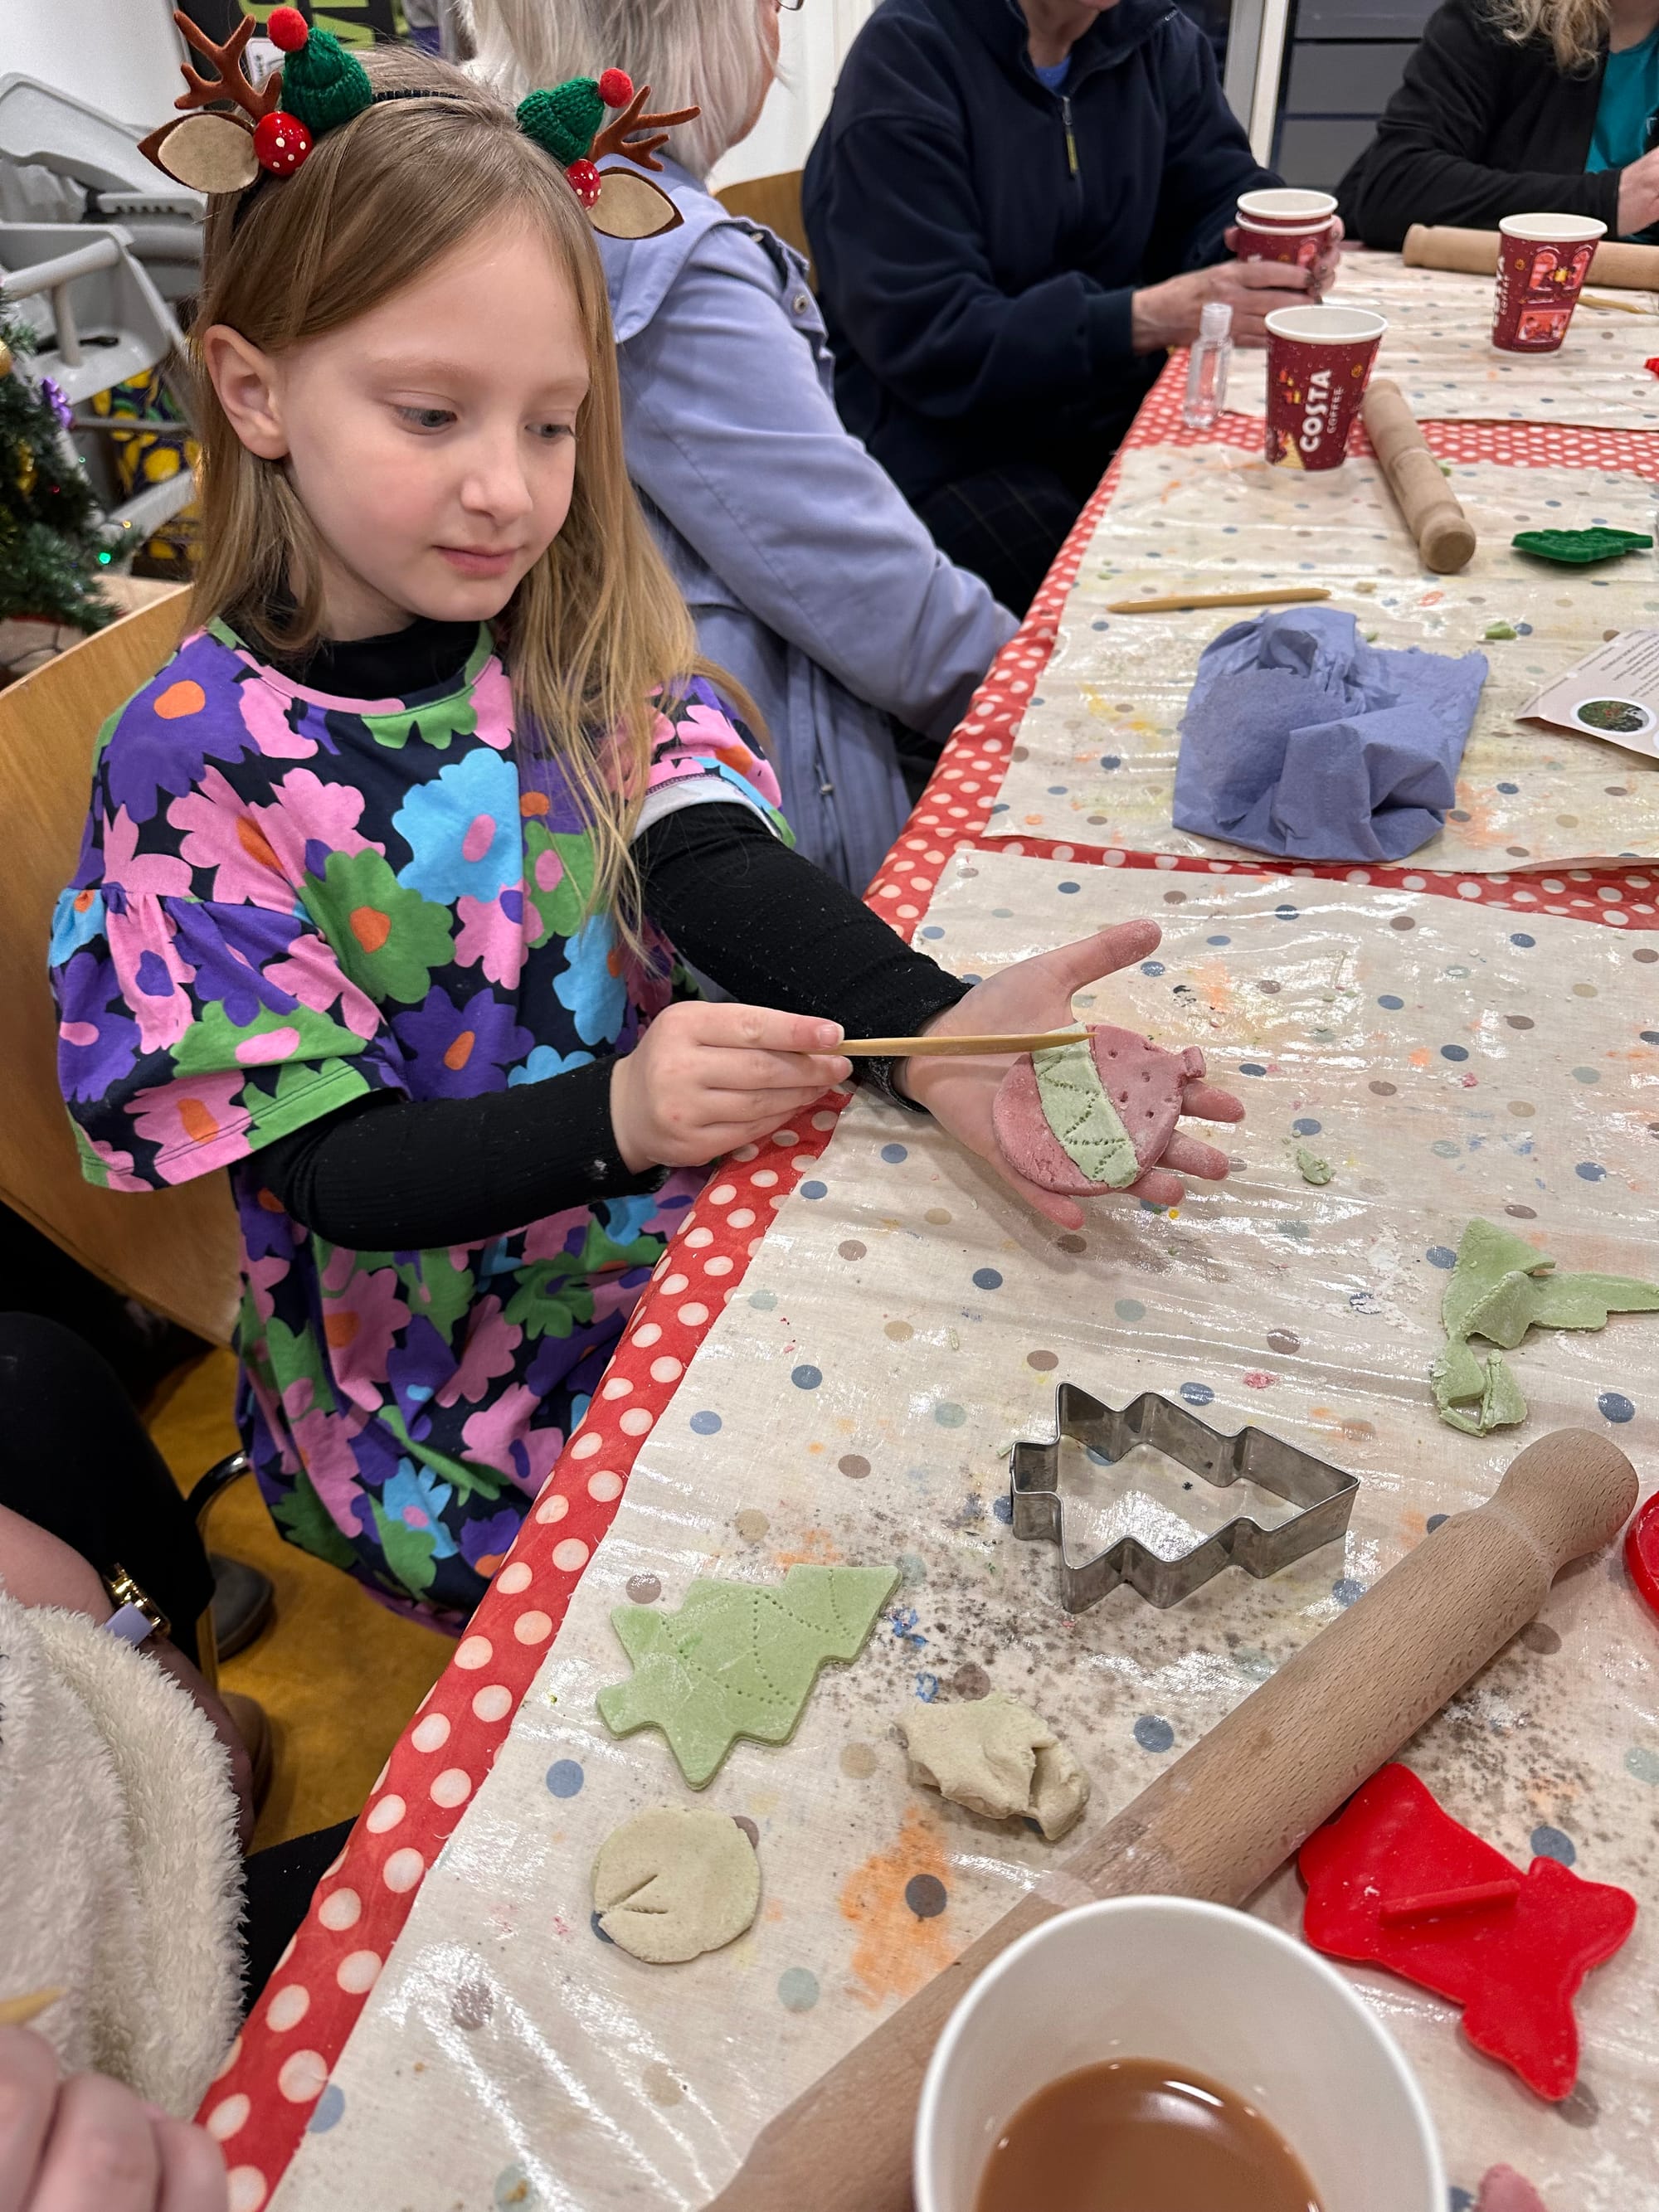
(431, 441)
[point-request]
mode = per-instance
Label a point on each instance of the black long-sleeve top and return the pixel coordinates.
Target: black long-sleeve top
(391, 1174)
(1480, 128)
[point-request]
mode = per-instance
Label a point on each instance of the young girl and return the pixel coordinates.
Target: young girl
(383, 870)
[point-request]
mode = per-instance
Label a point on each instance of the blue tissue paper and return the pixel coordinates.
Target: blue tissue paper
(1301, 741)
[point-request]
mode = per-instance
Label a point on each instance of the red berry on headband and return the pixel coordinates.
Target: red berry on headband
(584, 181)
(287, 29)
(281, 142)
(616, 88)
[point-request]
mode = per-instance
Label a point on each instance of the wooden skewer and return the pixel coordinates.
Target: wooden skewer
(1623, 306)
(1172, 603)
(902, 1048)
(18, 2012)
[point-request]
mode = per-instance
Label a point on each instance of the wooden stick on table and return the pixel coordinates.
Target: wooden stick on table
(1234, 1807)
(1169, 603)
(18, 2012)
(1445, 536)
(901, 1048)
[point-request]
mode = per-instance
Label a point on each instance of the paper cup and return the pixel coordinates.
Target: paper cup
(1283, 208)
(1542, 263)
(1319, 362)
(1219, 1991)
(1301, 248)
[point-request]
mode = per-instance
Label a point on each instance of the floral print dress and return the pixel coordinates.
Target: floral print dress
(286, 902)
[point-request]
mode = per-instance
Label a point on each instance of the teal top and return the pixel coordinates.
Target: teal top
(1630, 95)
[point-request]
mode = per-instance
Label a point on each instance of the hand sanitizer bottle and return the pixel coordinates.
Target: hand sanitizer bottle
(1206, 373)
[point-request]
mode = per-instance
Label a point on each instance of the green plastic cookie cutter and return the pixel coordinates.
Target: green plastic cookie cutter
(1579, 548)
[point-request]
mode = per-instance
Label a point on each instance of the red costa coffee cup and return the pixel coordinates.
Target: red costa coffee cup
(1285, 209)
(1300, 248)
(1542, 263)
(1319, 362)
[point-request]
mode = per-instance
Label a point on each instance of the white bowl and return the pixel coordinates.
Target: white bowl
(1216, 1990)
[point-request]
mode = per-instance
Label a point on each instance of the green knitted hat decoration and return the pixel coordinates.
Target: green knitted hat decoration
(563, 121)
(323, 85)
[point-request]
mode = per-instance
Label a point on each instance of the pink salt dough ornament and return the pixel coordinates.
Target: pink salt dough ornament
(1054, 1124)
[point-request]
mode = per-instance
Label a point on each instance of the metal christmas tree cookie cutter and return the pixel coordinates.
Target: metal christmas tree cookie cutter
(1324, 1494)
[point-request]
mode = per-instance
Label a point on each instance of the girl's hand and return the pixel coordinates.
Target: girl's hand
(705, 1078)
(89, 2140)
(1036, 994)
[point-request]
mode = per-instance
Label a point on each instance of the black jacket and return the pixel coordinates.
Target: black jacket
(1480, 129)
(977, 236)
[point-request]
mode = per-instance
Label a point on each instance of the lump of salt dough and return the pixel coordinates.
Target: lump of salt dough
(671, 1884)
(1091, 1116)
(1499, 1288)
(1310, 1167)
(998, 1758)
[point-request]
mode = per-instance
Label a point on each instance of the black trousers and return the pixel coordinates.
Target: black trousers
(1007, 524)
(74, 1459)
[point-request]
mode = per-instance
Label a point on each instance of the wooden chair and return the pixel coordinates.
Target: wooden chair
(775, 201)
(175, 1250)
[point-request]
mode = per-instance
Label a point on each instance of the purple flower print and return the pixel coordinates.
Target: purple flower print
(418, 1366)
(97, 1041)
(486, 1543)
(459, 1052)
(186, 717)
(231, 951)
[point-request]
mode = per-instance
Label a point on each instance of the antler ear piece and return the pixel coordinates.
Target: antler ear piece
(565, 123)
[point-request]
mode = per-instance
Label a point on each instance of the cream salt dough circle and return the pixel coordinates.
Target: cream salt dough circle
(1082, 1118)
(673, 1883)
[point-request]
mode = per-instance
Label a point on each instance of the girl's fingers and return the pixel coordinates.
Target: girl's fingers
(28, 2091)
(773, 1071)
(762, 1028)
(761, 1110)
(1158, 1188)
(193, 2178)
(1209, 1104)
(1188, 1155)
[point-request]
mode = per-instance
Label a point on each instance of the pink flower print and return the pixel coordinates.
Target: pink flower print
(324, 1443)
(264, 717)
(491, 1344)
(491, 1433)
(547, 1239)
(338, 1270)
(305, 810)
(118, 1165)
(491, 935)
(141, 875)
(362, 1324)
(492, 703)
(262, 1277)
(196, 1122)
(223, 835)
(155, 980)
(311, 973)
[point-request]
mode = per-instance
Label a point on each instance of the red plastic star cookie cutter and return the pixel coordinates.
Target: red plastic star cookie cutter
(1394, 1879)
(1642, 1553)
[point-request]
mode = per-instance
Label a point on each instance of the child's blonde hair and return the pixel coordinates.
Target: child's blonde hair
(598, 624)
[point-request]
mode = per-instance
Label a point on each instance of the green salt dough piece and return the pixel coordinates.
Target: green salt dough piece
(1501, 1405)
(1085, 1121)
(1500, 1287)
(1311, 1168)
(1501, 633)
(1576, 547)
(738, 1659)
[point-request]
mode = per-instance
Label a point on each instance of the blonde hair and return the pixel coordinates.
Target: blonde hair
(1576, 29)
(598, 625)
(709, 52)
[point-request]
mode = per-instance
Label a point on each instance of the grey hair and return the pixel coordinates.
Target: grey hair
(709, 52)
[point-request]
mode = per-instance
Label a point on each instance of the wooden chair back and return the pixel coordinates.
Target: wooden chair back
(177, 1250)
(775, 201)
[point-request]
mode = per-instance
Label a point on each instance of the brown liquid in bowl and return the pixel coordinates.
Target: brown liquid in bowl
(1142, 2135)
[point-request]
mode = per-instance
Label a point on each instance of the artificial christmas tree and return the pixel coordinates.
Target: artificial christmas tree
(52, 544)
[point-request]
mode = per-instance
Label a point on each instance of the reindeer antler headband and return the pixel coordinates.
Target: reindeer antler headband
(321, 87)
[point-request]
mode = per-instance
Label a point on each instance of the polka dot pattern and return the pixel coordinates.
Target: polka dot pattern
(269, 2094)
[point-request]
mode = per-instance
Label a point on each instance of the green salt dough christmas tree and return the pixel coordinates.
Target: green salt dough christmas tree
(1501, 1287)
(738, 1659)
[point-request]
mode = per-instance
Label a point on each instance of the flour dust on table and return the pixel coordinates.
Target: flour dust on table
(906, 1320)
(1094, 758)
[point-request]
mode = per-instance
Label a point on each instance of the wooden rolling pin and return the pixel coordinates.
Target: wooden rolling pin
(1445, 536)
(1436, 245)
(1217, 1823)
